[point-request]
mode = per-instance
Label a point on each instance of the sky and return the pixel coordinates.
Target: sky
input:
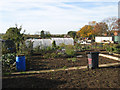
(55, 16)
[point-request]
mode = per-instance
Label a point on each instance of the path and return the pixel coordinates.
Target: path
(71, 68)
(111, 57)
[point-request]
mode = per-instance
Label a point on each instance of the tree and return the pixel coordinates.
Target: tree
(42, 34)
(72, 34)
(13, 33)
(116, 25)
(100, 28)
(111, 22)
(85, 31)
(92, 23)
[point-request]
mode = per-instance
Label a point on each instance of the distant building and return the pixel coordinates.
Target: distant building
(104, 39)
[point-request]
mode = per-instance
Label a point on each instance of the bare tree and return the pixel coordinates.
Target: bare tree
(111, 22)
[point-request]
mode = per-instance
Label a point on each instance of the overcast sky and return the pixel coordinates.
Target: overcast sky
(55, 16)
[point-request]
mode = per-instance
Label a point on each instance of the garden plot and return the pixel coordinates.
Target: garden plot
(84, 78)
(38, 63)
(102, 77)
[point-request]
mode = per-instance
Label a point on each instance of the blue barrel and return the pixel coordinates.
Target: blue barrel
(20, 63)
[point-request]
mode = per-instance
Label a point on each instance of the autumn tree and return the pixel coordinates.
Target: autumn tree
(85, 31)
(92, 23)
(100, 28)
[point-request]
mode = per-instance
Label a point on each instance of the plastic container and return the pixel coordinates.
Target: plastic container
(20, 63)
(93, 58)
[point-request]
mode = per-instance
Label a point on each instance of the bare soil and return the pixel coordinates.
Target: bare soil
(84, 78)
(38, 63)
(108, 77)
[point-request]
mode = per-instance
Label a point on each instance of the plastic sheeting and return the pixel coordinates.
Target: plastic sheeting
(48, 42)
(66, 41)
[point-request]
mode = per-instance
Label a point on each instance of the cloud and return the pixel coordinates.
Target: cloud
(56, 17)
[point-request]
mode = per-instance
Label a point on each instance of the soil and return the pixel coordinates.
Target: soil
(96, 78)
(38, 63)
(93, 78)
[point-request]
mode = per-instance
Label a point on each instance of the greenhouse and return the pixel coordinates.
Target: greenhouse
(48, 42)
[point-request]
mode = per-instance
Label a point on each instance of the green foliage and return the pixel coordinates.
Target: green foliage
(37, 49)
(73, 59)
(54, 44)
(60, 54)
(8, 46)
(65, 67)
(42, 34)
(53, 55)
(112, 48)
(47, 55)
(70, 50)
(8, 61)
(13, 33)
(116, 48)
(72, 34)
(49, 48)
(78, 46)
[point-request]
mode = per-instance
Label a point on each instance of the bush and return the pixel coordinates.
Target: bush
(54, 44)
(49, 48)
(53, 55)
(116, 48)
(37, 49)
(112, 48)
(8, 61)
(78, 46)
(47, 55)
(69, 50)
(8, 46)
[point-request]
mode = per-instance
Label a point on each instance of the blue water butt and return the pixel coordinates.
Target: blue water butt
(20, 63)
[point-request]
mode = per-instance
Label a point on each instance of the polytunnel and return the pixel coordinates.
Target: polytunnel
(48, 42)
(66, 41)
(40, 42)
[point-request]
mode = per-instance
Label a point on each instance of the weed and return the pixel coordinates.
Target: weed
(72, 59)
(65, 67)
